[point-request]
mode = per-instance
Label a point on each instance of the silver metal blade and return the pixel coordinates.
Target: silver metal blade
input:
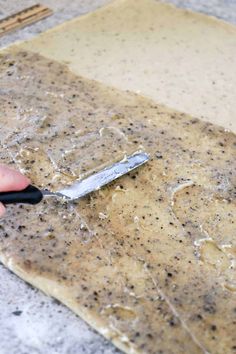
(101, 178)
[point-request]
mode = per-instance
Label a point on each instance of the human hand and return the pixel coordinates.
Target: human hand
(11, 180)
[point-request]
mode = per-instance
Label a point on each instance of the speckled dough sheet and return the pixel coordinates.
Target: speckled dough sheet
(148, 261)
(182, 59)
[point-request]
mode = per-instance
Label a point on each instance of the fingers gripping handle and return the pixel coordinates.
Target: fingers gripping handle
(29, 195)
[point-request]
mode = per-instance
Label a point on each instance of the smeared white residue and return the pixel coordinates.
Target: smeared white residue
(118, 306)
(132, 293)
(119, 189)
(102, 216)
(124, 339)
(106, 332)
(206, 237)
(104, 130)
(55, 177)
(141, 224)
(54, 94)
(178, 187)
(141, 147)
(78, 132)
(125, 159)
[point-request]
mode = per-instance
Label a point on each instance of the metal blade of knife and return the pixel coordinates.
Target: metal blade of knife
(33, 195)
(101, 178)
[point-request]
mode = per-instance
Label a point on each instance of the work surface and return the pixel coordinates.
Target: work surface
(31, 322)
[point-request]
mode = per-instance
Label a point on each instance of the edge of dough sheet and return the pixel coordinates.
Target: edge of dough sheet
(209, 96)
(53, 289)
(115, 3)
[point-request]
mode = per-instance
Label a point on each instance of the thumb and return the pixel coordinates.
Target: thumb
(11, 180)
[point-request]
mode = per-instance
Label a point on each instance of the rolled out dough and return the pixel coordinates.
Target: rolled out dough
(180, 58)
(148, 261)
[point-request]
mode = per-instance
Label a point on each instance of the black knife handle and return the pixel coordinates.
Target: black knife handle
(29, 195)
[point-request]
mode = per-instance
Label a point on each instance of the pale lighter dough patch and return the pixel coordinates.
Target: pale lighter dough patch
(182, 59)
